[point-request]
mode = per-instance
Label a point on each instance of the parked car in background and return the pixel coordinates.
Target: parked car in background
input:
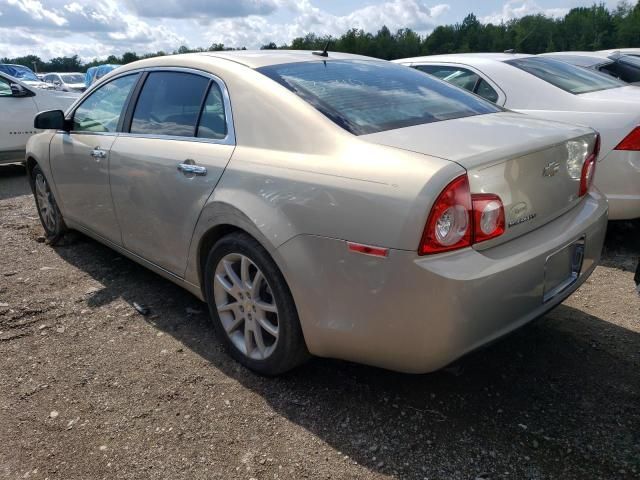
(66, 82)
(622, 67)
(25, 75)
(337, 204)
(634, 52)
(19, 105)
(96, 73)
(555, 90)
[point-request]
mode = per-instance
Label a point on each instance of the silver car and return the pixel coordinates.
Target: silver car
(326, 204)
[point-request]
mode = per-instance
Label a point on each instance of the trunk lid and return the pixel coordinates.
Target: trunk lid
(520, 158)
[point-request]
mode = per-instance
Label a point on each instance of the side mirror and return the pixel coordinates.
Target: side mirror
(18, 90)
(50, 120)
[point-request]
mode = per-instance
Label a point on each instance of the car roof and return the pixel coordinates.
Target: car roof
(470, 58)
(261, 58)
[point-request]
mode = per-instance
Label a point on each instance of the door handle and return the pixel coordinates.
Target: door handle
(98, 153)
(187, 168)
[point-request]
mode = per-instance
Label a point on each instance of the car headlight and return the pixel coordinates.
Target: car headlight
(577, 152)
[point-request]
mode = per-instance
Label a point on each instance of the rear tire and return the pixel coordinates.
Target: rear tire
(48, 211)
(252, 309)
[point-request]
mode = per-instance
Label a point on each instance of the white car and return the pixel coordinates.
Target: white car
(555, 90)
(19, 105)
(634, 52)
(618, 65)
(66, 82)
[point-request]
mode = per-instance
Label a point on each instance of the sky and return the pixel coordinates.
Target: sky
(98, 28)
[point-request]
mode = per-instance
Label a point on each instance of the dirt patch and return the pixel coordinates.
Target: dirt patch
(91, 389)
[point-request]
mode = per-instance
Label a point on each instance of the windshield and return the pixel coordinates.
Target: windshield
(563, 75)
(20, 72)
(72, 77)
(371, 96)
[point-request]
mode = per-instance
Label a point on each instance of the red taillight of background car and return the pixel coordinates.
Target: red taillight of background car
(589, 169)
(459, 219)
(631, 141)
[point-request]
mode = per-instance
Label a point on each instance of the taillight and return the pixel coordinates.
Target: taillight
(459, 219)
(589, 169)
(488, 217)
(631, 141)
(449, 224)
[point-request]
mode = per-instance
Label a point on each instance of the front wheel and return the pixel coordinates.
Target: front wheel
(251, 306)
(50, 216)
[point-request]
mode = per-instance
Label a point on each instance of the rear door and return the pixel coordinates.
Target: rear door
(176, 143)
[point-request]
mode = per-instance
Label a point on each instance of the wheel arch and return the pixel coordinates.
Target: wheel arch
(217, 220)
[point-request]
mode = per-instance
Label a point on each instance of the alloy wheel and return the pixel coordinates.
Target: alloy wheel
(246, 306)
(45, 204)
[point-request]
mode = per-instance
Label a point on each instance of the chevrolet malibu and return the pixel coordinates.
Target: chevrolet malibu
(326, 204)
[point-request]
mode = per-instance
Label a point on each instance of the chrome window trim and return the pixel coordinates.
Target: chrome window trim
(230, 139)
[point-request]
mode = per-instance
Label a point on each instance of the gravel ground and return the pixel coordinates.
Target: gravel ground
(90, 389)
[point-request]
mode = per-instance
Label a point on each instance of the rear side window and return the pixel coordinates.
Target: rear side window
(460, 77)
(364, 96)
(169, 104)
(563, 75)
(101, 110)
(212, 122)
(463, 78)
(486, 91)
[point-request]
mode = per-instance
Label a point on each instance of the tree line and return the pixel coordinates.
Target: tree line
(582, 28)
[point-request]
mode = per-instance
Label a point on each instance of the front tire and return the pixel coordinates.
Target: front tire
(252, 309)
(48, 211)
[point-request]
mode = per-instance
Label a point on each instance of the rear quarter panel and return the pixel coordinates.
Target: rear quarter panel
(358, 192)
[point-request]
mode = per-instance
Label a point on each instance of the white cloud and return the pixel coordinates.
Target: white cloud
(58, 27)
(519, 8)
(253, 31)
(202, 9)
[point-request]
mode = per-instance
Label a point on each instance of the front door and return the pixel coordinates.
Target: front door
(80, 159)
(166, 167)
(16, 125)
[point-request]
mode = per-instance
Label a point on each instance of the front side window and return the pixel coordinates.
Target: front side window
(565, 76)
(101, 111)
(169, 104)
(5, 88)
(365, 96)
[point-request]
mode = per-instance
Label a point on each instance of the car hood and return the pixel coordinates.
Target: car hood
(471, 141)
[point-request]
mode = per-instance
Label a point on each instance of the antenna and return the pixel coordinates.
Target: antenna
(323, 53)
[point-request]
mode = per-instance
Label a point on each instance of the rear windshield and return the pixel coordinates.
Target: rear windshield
(370, 96)
(563, 75)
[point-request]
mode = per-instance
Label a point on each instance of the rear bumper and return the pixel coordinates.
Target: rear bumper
(618, 177)
(417, 314)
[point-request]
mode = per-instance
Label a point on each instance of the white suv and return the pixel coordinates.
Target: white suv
(19, 104)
